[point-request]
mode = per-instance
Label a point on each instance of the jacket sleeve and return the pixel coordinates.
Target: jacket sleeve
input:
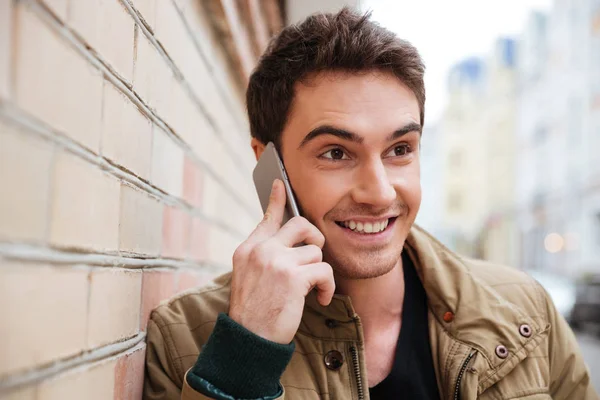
(233, 364)
(569, 375)
(160, 381)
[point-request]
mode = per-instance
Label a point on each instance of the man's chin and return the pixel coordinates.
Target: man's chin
(361, 266)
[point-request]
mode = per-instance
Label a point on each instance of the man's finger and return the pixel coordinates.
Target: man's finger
(319, 275)
(308, 254)
(300, 230)
(271, 221)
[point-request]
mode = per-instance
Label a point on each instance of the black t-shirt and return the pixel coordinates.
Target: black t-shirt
(412, 375)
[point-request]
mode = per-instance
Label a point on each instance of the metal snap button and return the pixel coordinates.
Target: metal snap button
(501, 351)
(525, 330)
(331, 323)
(334, 360)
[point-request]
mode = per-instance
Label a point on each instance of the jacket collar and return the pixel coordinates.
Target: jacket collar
(482, 318)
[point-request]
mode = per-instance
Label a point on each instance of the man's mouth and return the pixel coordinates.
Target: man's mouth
(371, 227)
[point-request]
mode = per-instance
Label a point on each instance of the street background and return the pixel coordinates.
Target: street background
(511, 146)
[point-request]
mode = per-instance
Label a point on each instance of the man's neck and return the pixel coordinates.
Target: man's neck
(377, 301)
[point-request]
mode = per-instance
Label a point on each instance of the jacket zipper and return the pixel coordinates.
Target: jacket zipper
(357, 375)
(461, 373)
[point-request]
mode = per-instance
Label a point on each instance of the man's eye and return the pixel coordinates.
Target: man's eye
(399, 151)
(335, 154)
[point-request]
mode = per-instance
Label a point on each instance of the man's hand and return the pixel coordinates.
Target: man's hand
(271, 277)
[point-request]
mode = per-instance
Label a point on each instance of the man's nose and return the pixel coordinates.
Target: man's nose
(373, 185)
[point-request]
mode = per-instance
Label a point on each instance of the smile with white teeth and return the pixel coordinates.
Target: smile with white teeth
(366, 227)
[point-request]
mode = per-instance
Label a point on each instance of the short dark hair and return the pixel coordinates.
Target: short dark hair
(345, 41)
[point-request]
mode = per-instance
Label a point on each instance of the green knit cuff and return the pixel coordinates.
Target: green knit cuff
(236, 363)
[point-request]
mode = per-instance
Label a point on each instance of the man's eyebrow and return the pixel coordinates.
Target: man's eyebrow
(411, 127)
(330, 130)
(353, 137)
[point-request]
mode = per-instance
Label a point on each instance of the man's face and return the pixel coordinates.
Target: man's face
(351, 151)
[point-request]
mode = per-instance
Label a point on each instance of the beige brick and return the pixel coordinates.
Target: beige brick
(126, 133)
(114, 310)
(210, 196)
(24, 200)
(28, 393)
(108, 28)
(147, 9)
(5, 46)
(199, 240)
(44, 314)
(146, 59)
(54, 83)
(90, 383)
(58, 7)
(167, 163)
(85, 205)
(156, 287)
(140, 229)
(129, 375)
(221, 246)
(176, 232)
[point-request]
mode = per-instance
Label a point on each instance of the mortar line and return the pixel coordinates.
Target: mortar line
(205, 58)
(123, 86)
(20, 118)
(107, 352)
(184, 83)
(35, 253)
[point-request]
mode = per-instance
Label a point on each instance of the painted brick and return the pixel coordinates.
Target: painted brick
(210, 198)
(146, 59)
(127, 134)
(5, 47)
(54, 83)
(153, 78)
(176, 232)
(188, 279)
(172, 34)
(24, 200)
(199, 240)
(28, 393)
(167, 164)
(129, 375)
(147, 9)
(114, 305)
(192, 183)
(94, 382)
(58, 7)
(85, 205)
(221, 246)
(156, 287)
(140, 228)
(108, 28)
(32, 331)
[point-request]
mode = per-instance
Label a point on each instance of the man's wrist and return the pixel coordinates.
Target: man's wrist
(239, 362)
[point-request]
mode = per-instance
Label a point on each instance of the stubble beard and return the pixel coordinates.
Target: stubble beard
(365, 264)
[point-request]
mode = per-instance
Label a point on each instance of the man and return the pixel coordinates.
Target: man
(369, 305)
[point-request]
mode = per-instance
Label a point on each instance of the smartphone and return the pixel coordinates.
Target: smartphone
(269, 168)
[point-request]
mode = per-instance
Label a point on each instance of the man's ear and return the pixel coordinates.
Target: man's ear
(258, 147)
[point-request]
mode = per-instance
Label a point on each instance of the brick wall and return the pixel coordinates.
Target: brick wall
(125, 177)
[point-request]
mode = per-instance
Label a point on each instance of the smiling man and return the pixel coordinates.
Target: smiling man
(369, 306)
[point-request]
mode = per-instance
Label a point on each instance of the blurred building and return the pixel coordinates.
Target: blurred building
(558, 130)
(477, 132)
(430, 216)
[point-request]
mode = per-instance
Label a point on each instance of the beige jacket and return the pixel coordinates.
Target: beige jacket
(491, 305)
